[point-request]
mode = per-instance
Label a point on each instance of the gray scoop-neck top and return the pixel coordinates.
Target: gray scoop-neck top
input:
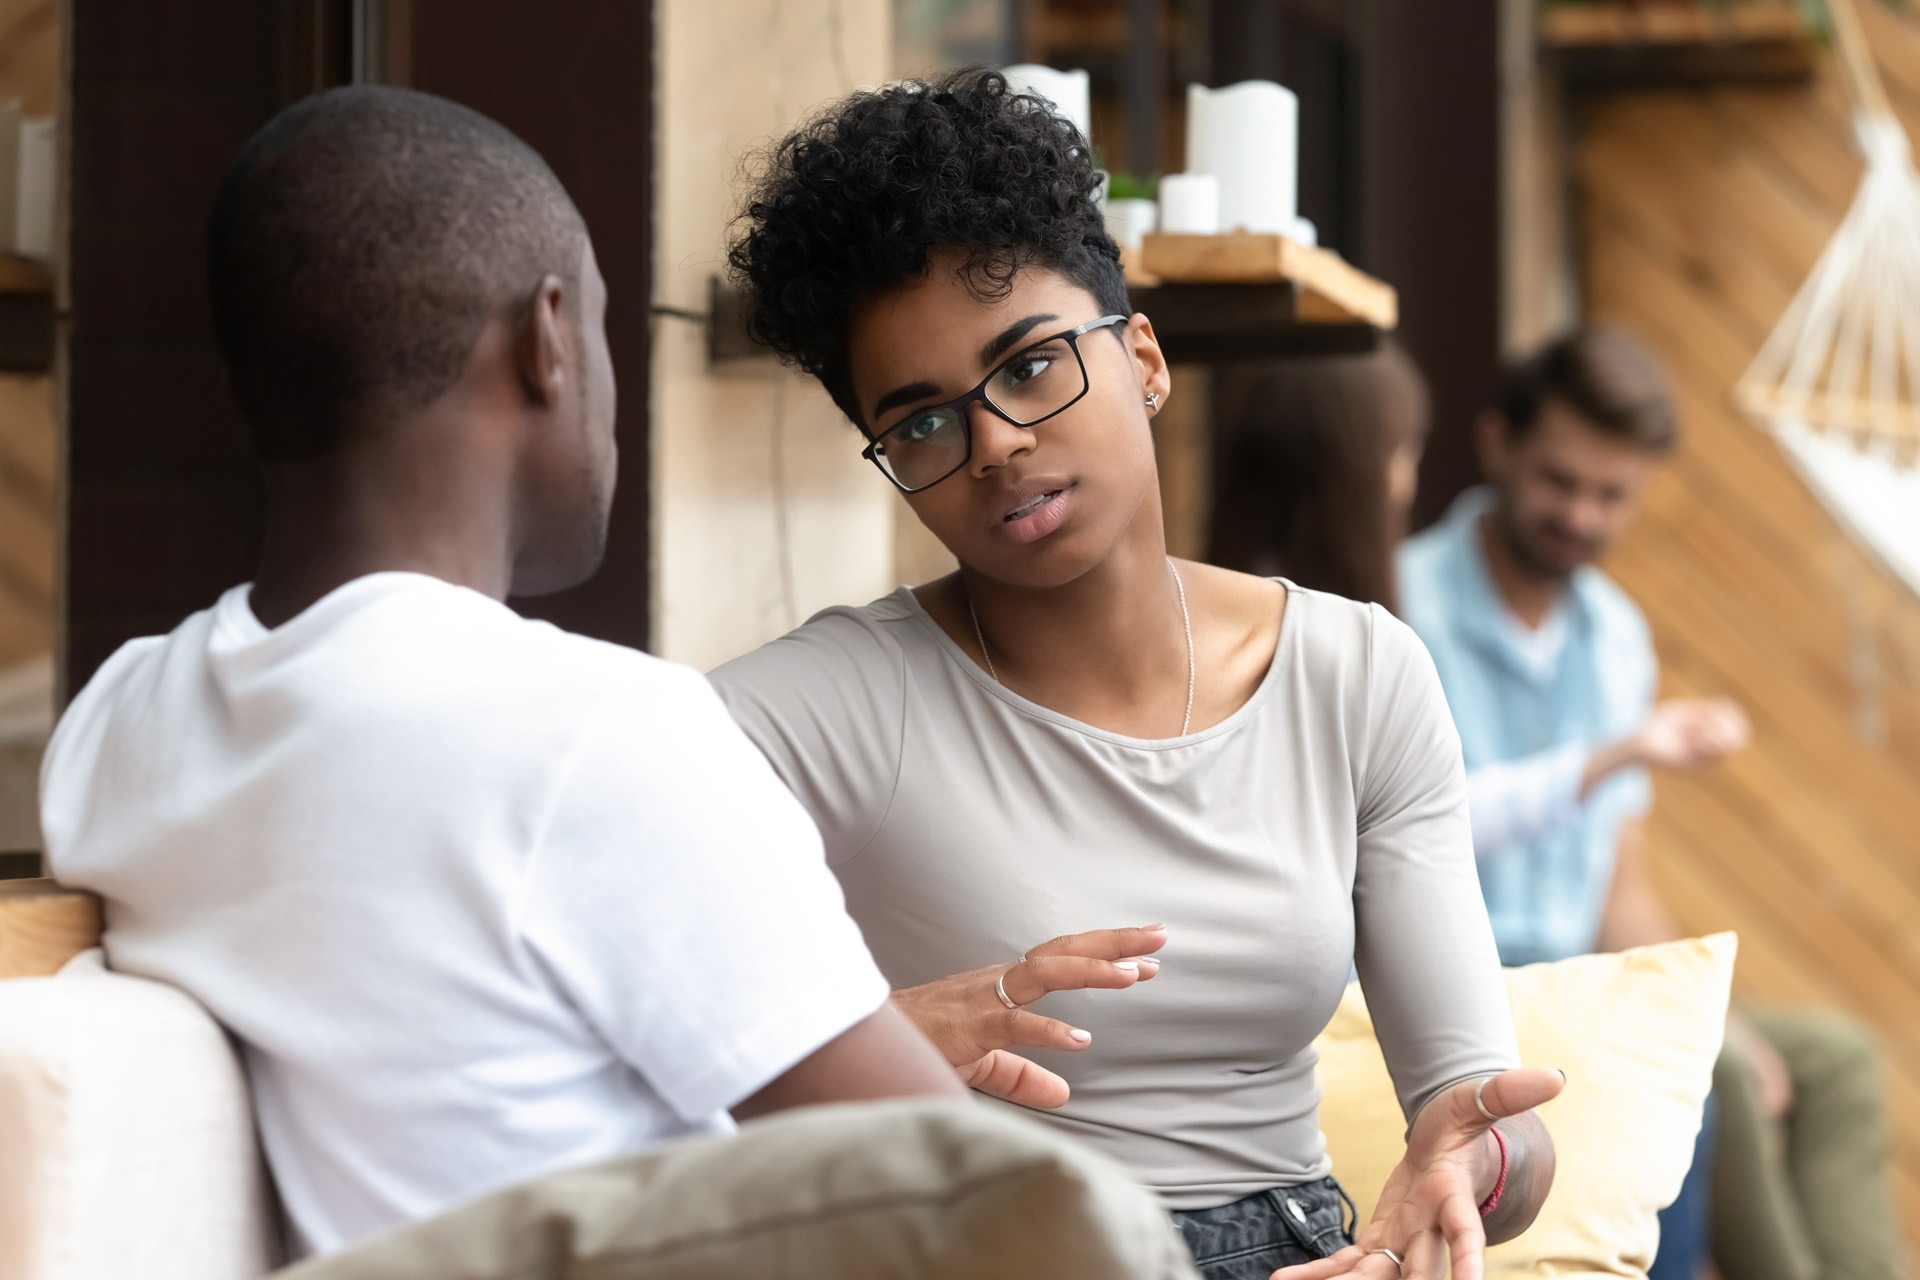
(1323, 825)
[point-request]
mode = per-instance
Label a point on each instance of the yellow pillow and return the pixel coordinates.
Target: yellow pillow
(1636, 1033)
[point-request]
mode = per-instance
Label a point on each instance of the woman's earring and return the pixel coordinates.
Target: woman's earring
(1153, 399)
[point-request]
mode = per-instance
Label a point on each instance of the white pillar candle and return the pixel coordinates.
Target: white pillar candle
(1190, 203)
(1066, 90)
(1129, 220)
(1247, 135)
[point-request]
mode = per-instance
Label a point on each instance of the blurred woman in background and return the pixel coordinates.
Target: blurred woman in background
(1315, 467)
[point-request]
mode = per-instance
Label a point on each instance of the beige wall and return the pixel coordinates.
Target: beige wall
(763, 509)
(1539, 285)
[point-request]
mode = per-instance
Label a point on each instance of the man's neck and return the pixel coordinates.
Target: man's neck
(335, 519)
(1528, 594)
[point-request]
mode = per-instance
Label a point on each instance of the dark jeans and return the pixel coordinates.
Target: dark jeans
(1251, 1238)
(1683, 1224)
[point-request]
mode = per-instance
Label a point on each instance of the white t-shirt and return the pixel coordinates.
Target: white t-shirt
(480, 898)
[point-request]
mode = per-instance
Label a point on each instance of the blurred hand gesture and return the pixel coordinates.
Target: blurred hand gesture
(1770, 1070)
(966, 1020)
(1687, 733)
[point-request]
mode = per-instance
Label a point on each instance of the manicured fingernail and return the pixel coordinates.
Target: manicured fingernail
(1153, 926)
(1150, 962)
(1126, 964)
(1562, 1074)
(1080, 1037)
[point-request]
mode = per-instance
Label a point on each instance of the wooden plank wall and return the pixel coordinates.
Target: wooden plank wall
(29, 74)
(1700, 212)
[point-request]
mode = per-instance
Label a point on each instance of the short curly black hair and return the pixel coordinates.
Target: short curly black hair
(853, 202)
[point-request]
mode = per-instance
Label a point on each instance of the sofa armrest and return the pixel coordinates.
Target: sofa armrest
(43, 925)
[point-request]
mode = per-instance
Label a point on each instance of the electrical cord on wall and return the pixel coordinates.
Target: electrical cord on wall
(837, 45)
(777, 433)
(782, 526)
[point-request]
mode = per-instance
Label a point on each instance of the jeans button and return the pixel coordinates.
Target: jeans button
(1300, 1214)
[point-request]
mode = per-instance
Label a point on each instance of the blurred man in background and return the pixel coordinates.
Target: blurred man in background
(1550, 674)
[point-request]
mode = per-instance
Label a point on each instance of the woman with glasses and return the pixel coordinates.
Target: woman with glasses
(1075, 731)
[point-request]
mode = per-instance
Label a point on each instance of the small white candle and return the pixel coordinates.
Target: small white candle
(1129, 220)
(1190, 203)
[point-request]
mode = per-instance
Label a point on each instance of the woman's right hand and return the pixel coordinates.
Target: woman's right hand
(966, 1021)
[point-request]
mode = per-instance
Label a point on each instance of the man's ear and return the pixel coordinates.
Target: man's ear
(541, 347)
(1491, 439)
(1149, 361)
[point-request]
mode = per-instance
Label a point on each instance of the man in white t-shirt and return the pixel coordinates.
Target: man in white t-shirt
(479, 898)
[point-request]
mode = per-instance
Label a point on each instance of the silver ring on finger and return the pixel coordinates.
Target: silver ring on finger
(1398, 1264)
(1000, 989)
(1481, 1104)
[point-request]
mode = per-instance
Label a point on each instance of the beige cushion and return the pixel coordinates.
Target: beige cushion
(1636, 1033)
(928, 1190)
(127, 1136)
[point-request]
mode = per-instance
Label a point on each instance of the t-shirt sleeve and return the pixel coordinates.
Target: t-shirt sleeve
(1422, 944)
(679, 900)
(826, 705)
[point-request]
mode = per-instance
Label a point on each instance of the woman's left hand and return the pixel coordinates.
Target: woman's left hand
(1430, 1207)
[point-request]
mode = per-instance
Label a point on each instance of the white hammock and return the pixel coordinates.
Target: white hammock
(1838, 381)
(1845, 358)
(1874, 500)
(1839, 378)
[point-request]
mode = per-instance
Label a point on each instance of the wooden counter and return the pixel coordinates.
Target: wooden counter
(43, 925)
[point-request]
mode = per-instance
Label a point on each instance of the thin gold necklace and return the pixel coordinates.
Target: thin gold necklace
(1186, 620)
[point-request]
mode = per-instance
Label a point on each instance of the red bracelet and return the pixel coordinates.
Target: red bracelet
(1492, 1202)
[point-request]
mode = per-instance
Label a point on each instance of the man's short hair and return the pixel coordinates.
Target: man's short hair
(857, 199)
(1603, 375)
(359, 244)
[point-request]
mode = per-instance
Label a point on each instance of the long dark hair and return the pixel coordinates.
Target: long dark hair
(1300, 468)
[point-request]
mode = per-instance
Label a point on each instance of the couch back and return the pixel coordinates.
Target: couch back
(127, 1142)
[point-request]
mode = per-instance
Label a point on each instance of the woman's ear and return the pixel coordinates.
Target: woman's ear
(1150, 363)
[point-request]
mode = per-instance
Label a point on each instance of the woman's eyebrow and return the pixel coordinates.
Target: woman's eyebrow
(1012, 334)
(988, 354)
(904, 395)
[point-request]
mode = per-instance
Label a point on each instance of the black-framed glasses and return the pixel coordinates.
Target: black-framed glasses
(1028, 387)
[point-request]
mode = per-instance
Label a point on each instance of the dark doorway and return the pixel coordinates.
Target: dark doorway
(163, 505)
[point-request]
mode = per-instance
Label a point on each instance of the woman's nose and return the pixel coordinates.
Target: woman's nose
(996, 441)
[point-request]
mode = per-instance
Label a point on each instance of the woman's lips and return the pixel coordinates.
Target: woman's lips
(1038, 518)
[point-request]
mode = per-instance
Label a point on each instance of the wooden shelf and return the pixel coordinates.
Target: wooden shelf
(24, 275)
(1251, 316)
(1677, 43)
(1217, 323)
(1328, 289)
(26, 315)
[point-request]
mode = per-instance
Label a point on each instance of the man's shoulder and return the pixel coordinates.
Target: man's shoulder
(1616, 618)
(412, 661)
(1427, 577)
(445, 643)
(1428, 545)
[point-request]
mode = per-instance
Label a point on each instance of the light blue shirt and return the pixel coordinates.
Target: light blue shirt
(1544, 893)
